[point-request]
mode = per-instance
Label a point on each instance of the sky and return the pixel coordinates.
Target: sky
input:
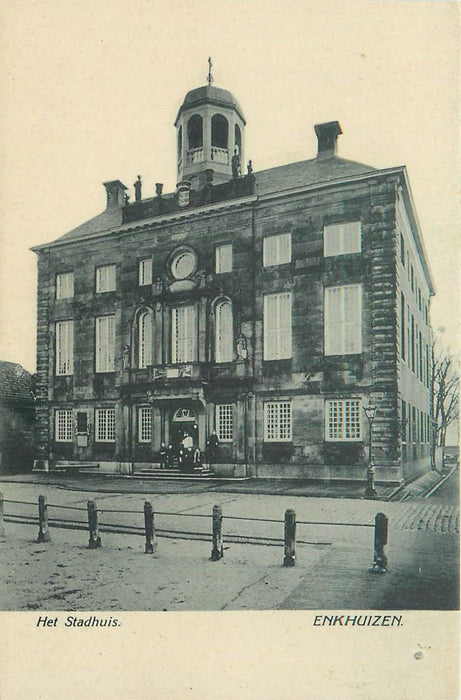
(90, 92)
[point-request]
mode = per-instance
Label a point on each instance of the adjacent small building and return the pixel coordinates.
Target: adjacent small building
(271, 307)
(17, 418)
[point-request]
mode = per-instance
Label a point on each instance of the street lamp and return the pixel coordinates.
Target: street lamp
(370, 491)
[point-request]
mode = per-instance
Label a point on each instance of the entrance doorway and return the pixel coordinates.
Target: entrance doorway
(183, 422)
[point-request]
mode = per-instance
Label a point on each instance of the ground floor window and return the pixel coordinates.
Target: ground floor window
(63, 425)
(277, 421)
(225, 422)
(105, 424)
(343, 419)
(144, 424)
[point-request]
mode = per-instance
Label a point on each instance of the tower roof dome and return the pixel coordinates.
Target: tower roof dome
(209, 94)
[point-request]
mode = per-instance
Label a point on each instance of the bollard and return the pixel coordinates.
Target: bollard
(43, 532)
(95, 540)
(149, 527)
(381, 529)
(217, 551)
(2, 522)
(290, 538)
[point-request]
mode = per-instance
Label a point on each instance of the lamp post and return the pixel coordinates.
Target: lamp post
(370, 491)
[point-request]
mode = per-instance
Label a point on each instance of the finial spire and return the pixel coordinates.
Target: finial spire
(210, 75)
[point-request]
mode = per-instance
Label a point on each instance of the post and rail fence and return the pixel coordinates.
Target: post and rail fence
(150, 532)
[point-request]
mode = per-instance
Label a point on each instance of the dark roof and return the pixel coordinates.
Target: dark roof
(273, 180)
(307, 172)
(111, 218)
(208, 94)
(15, 383)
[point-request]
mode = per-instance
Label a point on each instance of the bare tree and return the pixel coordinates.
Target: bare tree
(444, 398)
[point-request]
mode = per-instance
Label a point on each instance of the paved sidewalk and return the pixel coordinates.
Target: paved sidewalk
(129, 484)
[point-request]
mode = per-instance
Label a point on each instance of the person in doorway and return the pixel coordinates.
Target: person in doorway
(197, 459)
(163, 456)
(187, 441)
(187, 445)
(212, 447)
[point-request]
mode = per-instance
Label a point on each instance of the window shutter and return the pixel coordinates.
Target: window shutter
(224, 332)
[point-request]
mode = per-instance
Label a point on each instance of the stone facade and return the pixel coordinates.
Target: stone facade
(300, 200)
(17, 418)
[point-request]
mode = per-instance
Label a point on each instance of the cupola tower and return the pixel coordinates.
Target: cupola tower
(210, 132)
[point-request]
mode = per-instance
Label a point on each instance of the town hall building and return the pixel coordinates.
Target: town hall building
(268, 307)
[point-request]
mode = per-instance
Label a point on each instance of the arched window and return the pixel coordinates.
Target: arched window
(224, 332)
(238, 139)
(195, 131)
(145, 339)
(219, 131)
(179, 141)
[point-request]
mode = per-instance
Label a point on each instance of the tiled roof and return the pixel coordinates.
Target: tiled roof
(111, 218)
(307, 172)
(278, 179)
(15, 383)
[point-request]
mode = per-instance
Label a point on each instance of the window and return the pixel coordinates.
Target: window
(277, 250)
(63, 425)
(408, 336)
(184, 264)
(343, 420)
(183, 334)
(82, 423)
(402, 325)
(105, 343)
(343, 320)
(402, 250)
(277, 421)
(105, 424)
(65, 285)
(420, 355)
(413, 345)
(412, 278)
(144, 424)
(277, 326)
(145, 272)
(342, 239)
(195, 131)
(145, 330)
(105, 278)
(224, 258)
(225, 422)
(224, 340)
(404, 422)
(64, 348)
(428, 376)
(219, 131)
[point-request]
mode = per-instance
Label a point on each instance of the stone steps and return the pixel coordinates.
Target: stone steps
(173, 473)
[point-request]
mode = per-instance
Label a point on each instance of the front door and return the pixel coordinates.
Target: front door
(178, 432)
(183, 422)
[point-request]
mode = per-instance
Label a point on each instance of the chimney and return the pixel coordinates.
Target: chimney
(327, 136)
(115, 194)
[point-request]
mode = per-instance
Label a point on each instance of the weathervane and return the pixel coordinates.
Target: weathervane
(210, 75)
